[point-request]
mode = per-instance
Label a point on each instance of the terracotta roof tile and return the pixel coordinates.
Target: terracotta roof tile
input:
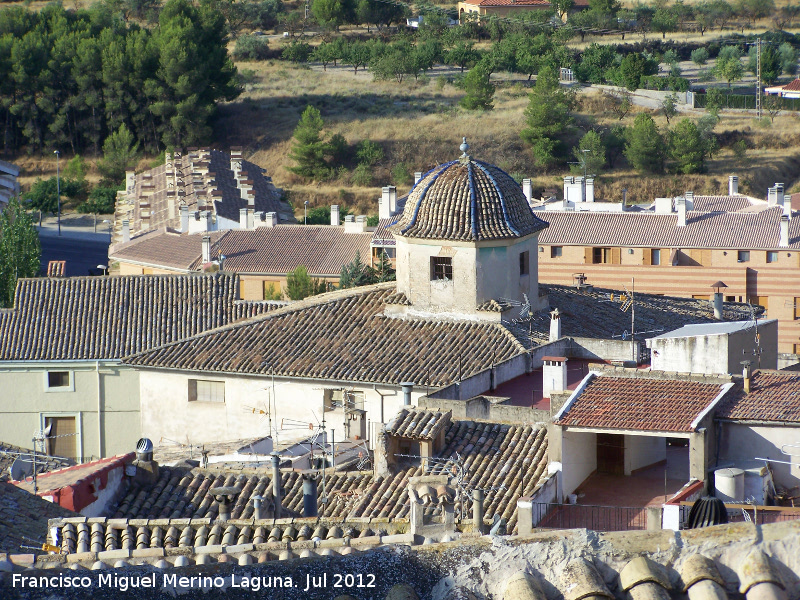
(640, 403)
(773, 396)
(418, 424)
(720, 203)
(526, 3)
(24, 514)
(739, 230)
(322, 249)
(9, 453)
(78, 318)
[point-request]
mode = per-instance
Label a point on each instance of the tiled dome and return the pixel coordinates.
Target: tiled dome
(467, 200)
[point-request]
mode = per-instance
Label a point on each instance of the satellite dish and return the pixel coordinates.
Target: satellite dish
(21, 469)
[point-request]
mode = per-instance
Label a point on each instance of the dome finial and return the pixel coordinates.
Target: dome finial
(464, 147)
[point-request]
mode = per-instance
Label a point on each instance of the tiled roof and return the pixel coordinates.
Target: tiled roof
(322, 249)
(773, 396)
(345, 335)
(528, 3)
(382, 236)
(640, 403)
(792, 86)
(721, 203)
(78, 318)
(24, 514)
(507, 461)
(739, 230)
(418, 424)
(9, 453)
(195, 191)
(469, 200)
(342, 335)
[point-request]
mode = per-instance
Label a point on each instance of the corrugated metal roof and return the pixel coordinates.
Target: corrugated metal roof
(708, 329)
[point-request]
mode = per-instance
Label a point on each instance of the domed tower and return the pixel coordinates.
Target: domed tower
(466, 237)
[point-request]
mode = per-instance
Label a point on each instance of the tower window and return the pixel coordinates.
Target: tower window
(441, 267)
(524, 263)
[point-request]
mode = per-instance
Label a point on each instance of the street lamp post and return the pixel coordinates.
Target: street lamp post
(58, 189)
(109, 229)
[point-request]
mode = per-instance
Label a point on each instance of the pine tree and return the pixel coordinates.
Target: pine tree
(548, 118)
(20, 251)
(356, 273)
(645, 145)
(687, 147)
(480, 90)
(309, 147)
(384, 270)
(299, 284)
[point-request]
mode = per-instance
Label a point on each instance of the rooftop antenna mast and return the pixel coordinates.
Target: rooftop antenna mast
(758, 77)
(754, 319)
(627, 302)
(319, 431)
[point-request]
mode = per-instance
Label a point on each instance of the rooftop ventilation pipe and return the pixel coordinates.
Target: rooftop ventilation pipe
(309, 496)
(408, 387)
(746, 375)
(276, 483)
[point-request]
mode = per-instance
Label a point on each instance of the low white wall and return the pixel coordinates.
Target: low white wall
(741, 444)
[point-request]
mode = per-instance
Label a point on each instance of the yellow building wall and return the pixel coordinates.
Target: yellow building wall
(126, 268)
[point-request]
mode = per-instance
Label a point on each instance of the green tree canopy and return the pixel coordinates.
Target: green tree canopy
(120, 153)
(462, 55)
(729, 64)
(308, 151)
(770, 64)
(687, 147)
(333, 13)
(299, 284)
(356, 273)
(20, 251)
(480, 91)
(645, 145)
(590, 155)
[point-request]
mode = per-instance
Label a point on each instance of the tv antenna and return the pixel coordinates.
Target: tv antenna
(627, 302)
(318, 439)
(757, 350)
(526, 314)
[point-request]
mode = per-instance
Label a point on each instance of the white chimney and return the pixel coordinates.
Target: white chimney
(236, 162)
(271, 219)
(417, 177)
(787, 205)
(392, 199)
(555, 325)
(242, 218)
(355, 224)
(126, 230)
(554, 375)
(384, 208)
(784, 242)
(689, 200)
(681, 207)
(779, 189)
(250, 221)
(772, 196)
(184, 219)
(589, 190)
(527, 189)
(663, 206)
(733, 185)
(567, 183)
(335, 214)
(205, 220)
(206, 249)
(245, 187)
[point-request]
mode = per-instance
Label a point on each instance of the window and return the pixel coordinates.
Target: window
(59, 381)
(556, 251)
(743, 256)
(797, 308)
(730, 298)
(655, 256)
(62, 436)
(206, 391)
(441, 267)
(606, 255)
(524, 263)
(772, 256)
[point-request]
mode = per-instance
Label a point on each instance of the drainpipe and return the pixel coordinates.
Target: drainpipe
(408, 387)
(276, 483)
(99, 411)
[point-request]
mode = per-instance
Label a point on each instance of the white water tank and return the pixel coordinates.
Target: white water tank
(729, 485)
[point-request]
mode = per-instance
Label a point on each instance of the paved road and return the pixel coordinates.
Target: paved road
(81, 253)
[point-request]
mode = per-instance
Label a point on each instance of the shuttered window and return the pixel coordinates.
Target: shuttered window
(201, 390)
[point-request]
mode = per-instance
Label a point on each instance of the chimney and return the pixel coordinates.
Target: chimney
(787, 206)
(784, 241)
(184, 219)
(355, 224)
(733, 185)
(746, 375)
(772, 196)
(242, 218)
(236, 162)
(779, 189)
(589, 189)
(527, 189)
(146, 473)
(554, 375)
(384, 208)
(477, 509)
(624, 198)
(310, 496)
(681, 207)
(130, 181)
(555, 325)
(206, 249)
(334, 214)
(257, 508)
(250, 218)
(689, 200)
(417, 177)
(205, 218)
(392, 199)
(245, 188)
(408, 387)
(276, 484)
(718, 306)
(271, 219)
(126, 230)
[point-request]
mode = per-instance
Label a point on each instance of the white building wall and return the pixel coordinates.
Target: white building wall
(739, 445)
(167, 412)
(578, 458)
(642, 451)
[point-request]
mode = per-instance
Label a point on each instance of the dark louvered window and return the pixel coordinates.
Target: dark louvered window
(441, 267)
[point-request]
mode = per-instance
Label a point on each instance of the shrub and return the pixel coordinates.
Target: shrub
(101, 200)
(700, 56)
(401, 174)
(669, 83)
(250, 47)
(368, 152)
(362, 175)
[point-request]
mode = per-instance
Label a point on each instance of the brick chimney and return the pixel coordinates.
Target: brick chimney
(733, 185)
(554, 375)
(335, 214)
